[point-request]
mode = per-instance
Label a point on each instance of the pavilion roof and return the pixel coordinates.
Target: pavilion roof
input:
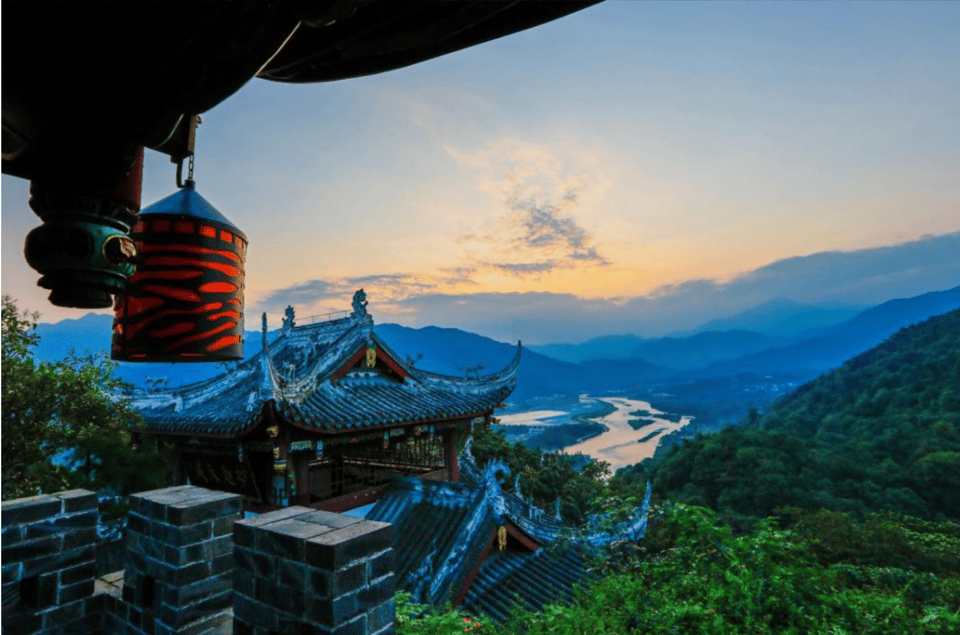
(318, 379)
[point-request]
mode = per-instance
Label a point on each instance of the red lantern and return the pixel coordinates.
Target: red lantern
(185, 301)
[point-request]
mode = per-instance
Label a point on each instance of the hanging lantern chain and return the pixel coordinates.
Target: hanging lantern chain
(190, 169)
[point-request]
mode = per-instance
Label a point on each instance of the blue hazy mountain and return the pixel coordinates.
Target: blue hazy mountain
(767, 325)
(783, 318)
(702, 349)
(453, 351)
(677, 353)
(440, 350)
(825, 348)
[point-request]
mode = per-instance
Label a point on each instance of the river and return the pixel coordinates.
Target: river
(619, 444)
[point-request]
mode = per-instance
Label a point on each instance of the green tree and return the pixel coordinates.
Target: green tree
(61, 430)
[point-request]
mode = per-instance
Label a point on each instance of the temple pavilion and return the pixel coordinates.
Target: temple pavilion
(324, 416)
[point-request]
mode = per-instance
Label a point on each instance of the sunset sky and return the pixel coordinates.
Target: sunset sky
(622, 153)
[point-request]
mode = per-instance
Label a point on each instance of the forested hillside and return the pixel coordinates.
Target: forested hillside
(882, 432)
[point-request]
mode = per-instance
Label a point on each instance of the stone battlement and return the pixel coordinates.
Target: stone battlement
(192, 566)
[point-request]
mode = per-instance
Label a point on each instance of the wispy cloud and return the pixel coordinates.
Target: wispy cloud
(864, 277)
(541, 190)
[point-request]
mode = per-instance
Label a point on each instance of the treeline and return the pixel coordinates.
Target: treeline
(834, 513)
(882, 432)
(693, 574)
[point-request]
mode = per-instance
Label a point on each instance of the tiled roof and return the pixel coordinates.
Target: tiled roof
(303, 373)
(532, 580)
(440, 530)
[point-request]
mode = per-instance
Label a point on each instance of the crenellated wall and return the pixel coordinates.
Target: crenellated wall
(193, 567)
(49, 564)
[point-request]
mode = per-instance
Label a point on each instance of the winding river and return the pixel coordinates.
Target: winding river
(619, 445)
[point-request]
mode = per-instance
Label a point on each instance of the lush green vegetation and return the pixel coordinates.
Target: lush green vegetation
(636, 424)
(880, 433)
(693, 574)
(60, 430)
(833, 513)
(577, 482)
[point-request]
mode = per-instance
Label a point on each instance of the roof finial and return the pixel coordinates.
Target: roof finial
(289, 319)
(359, 304)
(263, 331)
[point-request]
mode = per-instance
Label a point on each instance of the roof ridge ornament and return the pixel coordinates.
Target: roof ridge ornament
(360, 304)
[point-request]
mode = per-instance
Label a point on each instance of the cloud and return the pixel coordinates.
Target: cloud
(863, 278)
(542, 190)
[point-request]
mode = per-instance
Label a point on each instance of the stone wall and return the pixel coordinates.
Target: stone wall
(299, 568)
(49, 564)
(193, 568)
(178, 573)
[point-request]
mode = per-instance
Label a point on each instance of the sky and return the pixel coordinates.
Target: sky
(634, 167)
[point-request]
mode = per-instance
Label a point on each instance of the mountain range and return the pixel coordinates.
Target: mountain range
(608, 363)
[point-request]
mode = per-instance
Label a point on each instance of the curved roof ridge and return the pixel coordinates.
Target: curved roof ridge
(506, 373)
(326, 364)
(332, 325)
(270, 385)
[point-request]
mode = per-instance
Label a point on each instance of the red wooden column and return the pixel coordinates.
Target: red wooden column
(450, 455)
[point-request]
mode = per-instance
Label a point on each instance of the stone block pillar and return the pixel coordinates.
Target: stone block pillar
(300, 570)
(49, 564)
(179, 561)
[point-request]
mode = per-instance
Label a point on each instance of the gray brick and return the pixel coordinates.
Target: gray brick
(320, 582)
(208, 508)
(286, 538)
(80, 538)
(11, 593)
(20, 622)
(338, 548)
(190, 593)
(27, 510)
(381, 616)
(60, 524)
(137, 523)
(292, 574)
(221, 564)
(31, 549)
(380, 564)
(59, 560)
(179, 536)
(76, 500)
(329, 519)
(349, 579)
(223, 526)
(254, 613)
(12, 534)
(356, 626)
(378, 591)
(12, 572)
(58, 615)
(84, 571)
(76, 591)
(335, 612)
(254, 562)
(243, 582)
(178, 616)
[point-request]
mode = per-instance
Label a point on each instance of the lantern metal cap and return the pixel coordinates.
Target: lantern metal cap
(187, 202)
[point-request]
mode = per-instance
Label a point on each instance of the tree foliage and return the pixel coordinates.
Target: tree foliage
(880, 433)
(579, 483)
(60, 429)
(695, 575)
